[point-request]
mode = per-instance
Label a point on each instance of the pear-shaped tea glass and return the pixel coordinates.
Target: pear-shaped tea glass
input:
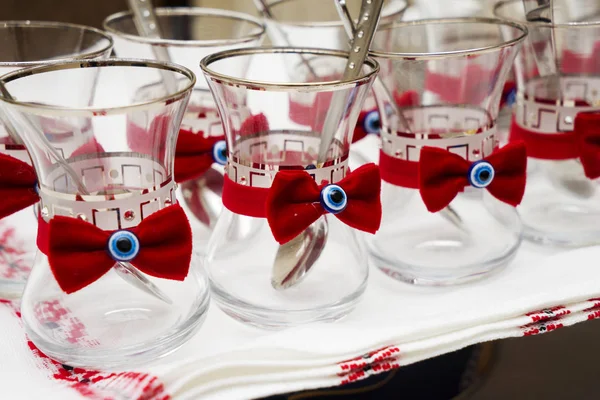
(116, 280)
(441, 162)
(557, 115)
(25, 44)
(305, 262)
(188, 34)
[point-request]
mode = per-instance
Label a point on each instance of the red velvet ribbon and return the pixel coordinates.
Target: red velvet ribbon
(399, 172)
(442, 175)
(18, 181)
(583, 142)
(292, 202)
(78, 251)
(17, 185)
(244, 200)
(193, 154)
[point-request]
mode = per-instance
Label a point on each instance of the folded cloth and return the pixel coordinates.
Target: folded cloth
(396, 324)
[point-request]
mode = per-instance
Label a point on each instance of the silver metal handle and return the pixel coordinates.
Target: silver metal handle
(147, 26)
(363, 36)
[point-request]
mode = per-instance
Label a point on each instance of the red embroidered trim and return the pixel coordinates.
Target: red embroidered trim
(90, 384)
(545, 146)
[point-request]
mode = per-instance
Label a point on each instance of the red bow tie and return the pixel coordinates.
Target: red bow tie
(587, 131)
(254, 124)
(79, 253)
(442, 175)
(18, 182)
(17, 185)
(295, 201)
(195, 154)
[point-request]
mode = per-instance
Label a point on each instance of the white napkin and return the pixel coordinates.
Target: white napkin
(396, 324)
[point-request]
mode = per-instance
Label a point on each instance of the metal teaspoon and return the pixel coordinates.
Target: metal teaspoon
(295, 258)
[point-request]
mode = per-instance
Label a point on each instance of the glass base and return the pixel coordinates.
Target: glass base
(561, 207)
(273, 319)
(125, 357)
(242, 273)
(449, 250)
(422, 248)
(111, 324)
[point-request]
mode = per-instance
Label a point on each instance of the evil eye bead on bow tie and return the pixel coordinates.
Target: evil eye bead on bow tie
(220, 152)
(511, 97)
(481, 174)
(333, 199)
(123, 246)
(371, 123)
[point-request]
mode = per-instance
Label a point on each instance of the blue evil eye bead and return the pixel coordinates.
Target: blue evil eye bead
(123, 246)
(371, 123)
(481, 174)
(333, 199)
(511, 97)
(220, 152)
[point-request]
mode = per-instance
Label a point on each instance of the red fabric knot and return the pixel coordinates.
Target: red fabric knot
(295, 201)
(18, 185)
(442, 175)
(79, 253)
(587, 134)
(195, 154)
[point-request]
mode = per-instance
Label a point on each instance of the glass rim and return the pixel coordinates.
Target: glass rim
(537, 24)
(453, 53)
(285, 86)
(96, 111)
(327, 24)
(55, 25)
(187, 11)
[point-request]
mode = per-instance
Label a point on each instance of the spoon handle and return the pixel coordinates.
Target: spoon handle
(147, 26)
(541, 12)
(265, 11)
(363, 36)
